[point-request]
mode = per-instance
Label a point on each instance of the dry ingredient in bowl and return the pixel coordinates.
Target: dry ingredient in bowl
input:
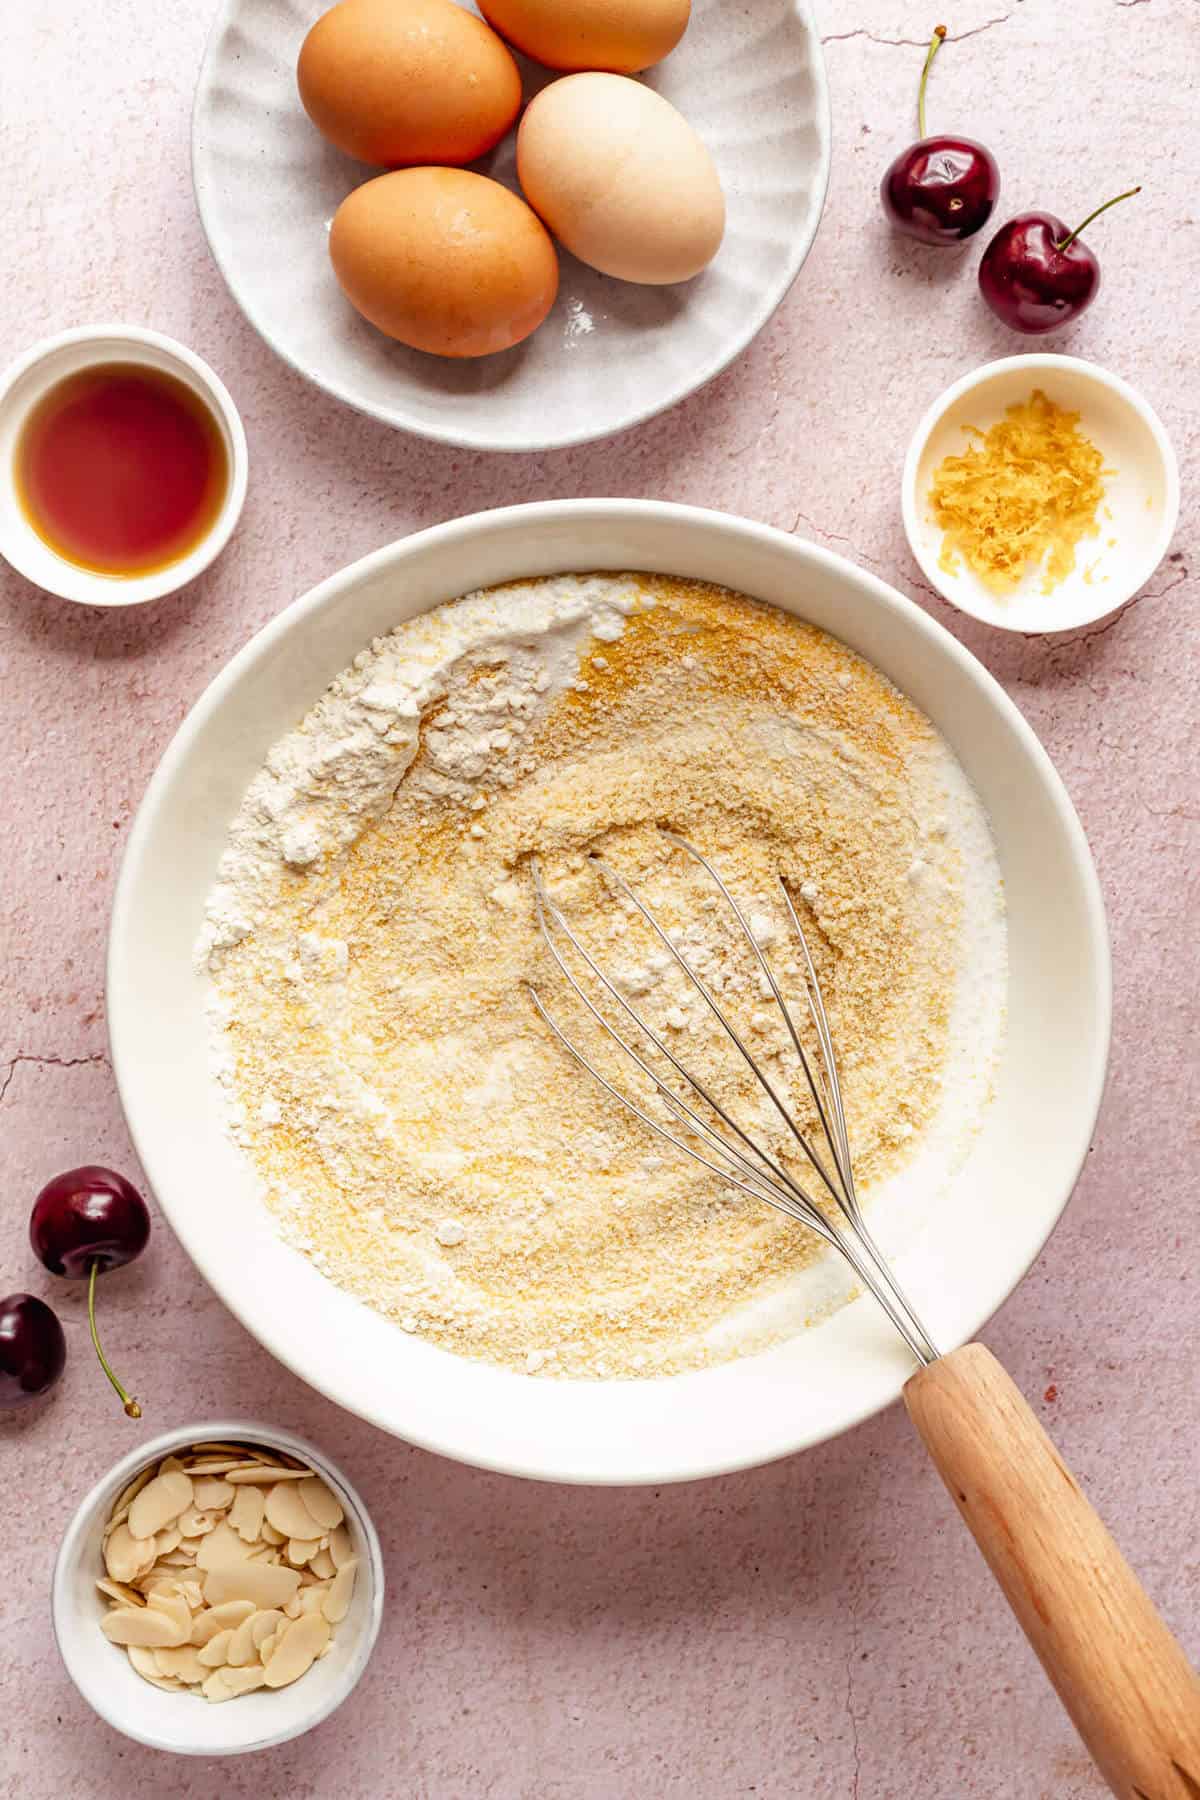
(415, 1128)
(228, 1568)
(1024, 493)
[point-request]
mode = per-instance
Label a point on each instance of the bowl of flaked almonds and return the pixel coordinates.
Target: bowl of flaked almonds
(219, 1591)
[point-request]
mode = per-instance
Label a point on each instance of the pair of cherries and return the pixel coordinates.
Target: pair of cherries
(1036, 273)
(83, 1223)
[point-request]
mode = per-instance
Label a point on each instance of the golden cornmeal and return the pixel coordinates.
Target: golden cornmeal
(419, 1132)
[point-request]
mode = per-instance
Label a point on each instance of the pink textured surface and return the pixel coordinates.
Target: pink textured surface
(822, 1627)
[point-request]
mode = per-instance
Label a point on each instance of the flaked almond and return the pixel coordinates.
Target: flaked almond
(226, 1617)
(211, 1494)
(322, 1565)
(144, 1662)
(168, 1540)
(117, 1590)
(183, 1662)
(215, 1654)
(264, 1625)
(341, 1592)
(267, 1584)
(297, 1650)
(117, 1518)
(301, 1551)
(312, 1598)
(341, 1548)
(266, 1472)
(268, 1532)
(322, 1503)
(159, 1580)
(196, 1524)
(143, 1625)
(221, 1546)
(175, 1608)
(129, 1494)
(243, 1681)
(246, 1512)
(126, 1556)
(160, 1503)
(288, 1513)
(242, 1648)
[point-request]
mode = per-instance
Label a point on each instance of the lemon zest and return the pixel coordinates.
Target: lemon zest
(1023, 494)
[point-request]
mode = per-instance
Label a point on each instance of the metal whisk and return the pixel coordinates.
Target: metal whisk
(1122, 1677)
(708, 1132)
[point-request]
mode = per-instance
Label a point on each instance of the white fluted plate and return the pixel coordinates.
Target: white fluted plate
(750, 78)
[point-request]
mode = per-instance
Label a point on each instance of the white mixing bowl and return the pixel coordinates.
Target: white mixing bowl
(978, 1240)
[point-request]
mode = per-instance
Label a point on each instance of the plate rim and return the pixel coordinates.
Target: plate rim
(458, 438)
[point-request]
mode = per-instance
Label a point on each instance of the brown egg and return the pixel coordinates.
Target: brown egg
(399, 82)
(444, 260)
(621, 36)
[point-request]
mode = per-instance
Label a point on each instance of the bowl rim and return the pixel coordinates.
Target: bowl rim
(123, 1471)
(612, 513)
(1032, 362)
(464, 439)
(85, 587)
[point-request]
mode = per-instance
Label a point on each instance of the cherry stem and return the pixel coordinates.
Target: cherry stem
(131, 1406)
(1115, 201)
(939, 38)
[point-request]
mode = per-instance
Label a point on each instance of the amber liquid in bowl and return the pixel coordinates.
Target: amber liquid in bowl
(121, 469)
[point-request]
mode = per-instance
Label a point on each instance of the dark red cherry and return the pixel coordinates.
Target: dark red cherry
(941, 190)
(89, 1216)
(1037, 273)
(33, 1349)
(84, 1223)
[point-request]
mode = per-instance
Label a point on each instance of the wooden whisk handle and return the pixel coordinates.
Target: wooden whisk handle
(1123, 1678)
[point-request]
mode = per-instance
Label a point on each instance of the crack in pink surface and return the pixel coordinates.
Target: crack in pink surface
(952, 37)
(851, 1712)
(53, 1062)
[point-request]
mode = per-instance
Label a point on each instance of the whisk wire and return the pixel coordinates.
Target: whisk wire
(548, 910)
(702, 988)
(743, 1164)
(755, 1192)
(838, 1139)
(819, 1101)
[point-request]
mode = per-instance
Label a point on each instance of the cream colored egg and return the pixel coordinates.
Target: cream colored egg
(444, 260)
(621, 35)
(621, 179)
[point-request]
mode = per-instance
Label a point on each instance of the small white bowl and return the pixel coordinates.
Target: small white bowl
(23, 384)
(183, 1722)
(1142, 496)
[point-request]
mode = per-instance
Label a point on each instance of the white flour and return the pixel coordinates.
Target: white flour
(338, 770)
